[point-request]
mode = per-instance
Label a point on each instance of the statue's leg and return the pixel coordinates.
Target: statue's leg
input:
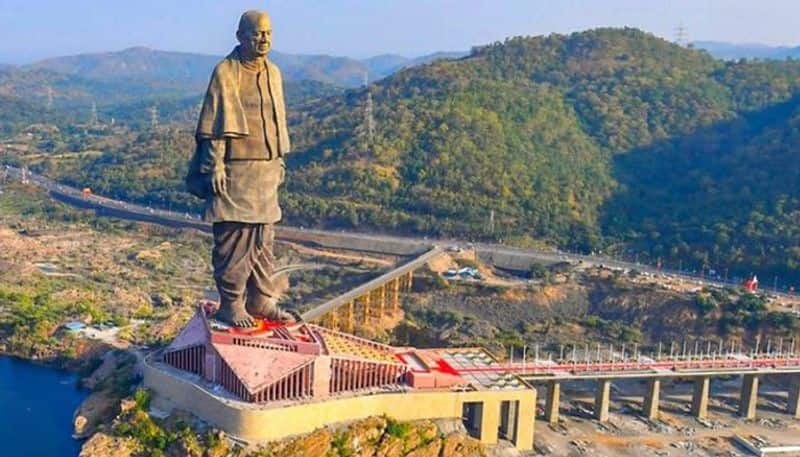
(232, 260)
(263, 292)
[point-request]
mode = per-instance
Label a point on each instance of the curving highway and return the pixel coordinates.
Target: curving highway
(501, 256)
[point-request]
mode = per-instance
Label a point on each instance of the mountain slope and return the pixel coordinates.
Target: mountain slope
(540, 132)
(191, 71)
(142, 76)
(608, 139)
(135, 63)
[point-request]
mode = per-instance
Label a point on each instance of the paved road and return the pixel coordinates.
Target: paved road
(496, 254)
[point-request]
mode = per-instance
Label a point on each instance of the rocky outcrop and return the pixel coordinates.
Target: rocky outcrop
(391, 446)
(460, 445)
(316, 444)
(371, 437)
(427, 450)
(377, 437)
(102, 445)
(98, 408)
(363, 436)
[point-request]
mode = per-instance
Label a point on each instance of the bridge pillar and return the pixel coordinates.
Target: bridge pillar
(749, 396)
(331, 320)
(410, 282)
(651, 398)
(350, 317)
(602, 399)
(702, 385)
(794, 397)
(382, 301)
(395, 295)
(552, 402)
(365, 308)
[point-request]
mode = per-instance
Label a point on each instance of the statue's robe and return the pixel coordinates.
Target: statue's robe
(242, 129)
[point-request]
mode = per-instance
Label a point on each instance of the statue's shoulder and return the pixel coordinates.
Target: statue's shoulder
(273, 68)
(224, 67)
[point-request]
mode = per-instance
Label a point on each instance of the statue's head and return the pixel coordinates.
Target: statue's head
(255, 33)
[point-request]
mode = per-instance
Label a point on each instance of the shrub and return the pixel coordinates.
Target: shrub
(398, 429)
(142, 399)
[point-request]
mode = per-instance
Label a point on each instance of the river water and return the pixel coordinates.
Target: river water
(36, 407)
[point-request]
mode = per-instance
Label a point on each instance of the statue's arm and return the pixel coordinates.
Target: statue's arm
(212, 162)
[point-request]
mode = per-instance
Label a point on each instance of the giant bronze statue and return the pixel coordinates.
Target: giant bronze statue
(237, 166)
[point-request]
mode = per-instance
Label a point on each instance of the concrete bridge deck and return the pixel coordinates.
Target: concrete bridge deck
(539, 370)
(403, 271)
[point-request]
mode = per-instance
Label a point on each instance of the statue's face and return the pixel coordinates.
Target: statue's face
(255, 37)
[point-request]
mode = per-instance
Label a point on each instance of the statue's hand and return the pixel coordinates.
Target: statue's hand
(219, 181)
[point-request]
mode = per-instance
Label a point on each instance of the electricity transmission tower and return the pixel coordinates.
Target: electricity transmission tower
(154, 117)
(369, 117)
(93, 120)
(681, 35)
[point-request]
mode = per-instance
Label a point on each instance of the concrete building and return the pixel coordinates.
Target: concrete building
(278, 380)
(282, 380)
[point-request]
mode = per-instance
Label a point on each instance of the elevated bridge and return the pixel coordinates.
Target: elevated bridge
(371, 301)
(606, 366)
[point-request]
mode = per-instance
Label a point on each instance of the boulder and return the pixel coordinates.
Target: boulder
(391, 446)
(459, 445)
(126, 404)
(427, 450)
(316, 444)
(79, 425)
(364, 433)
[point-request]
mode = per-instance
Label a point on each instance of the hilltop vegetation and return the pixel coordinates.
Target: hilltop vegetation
(602, 139)
(608, 139)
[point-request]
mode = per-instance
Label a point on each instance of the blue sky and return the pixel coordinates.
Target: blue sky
(34, 29)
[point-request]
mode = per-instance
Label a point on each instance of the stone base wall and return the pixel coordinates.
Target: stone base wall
(261, 424)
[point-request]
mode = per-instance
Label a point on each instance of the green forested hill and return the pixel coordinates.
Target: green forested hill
(607, 139)
(725, 196)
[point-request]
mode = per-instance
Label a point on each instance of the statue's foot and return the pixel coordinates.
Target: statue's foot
(267, 308)
(282, 316)
(236, 318)
(295, 315)
(262, 305)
